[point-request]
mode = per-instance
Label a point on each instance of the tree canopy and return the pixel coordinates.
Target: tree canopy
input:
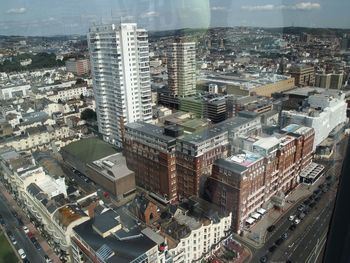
(40, 60)
(88, 115)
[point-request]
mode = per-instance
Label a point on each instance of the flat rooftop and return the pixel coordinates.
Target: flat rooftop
(296, 129)
(150, 130)
(90, 149)
(267, 142)
(113, 166)
(246, 81)
(235, 122)
(245, 159)
(286, 139)
(19, 161)
(125, 245)
(69, 214)
(240, 162)
(307, 91)
(312, 170)
(204, 135)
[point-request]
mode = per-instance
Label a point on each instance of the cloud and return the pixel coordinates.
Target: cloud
(218, 8)
(258, 7)
(303, 6)
(20, 10)
(150, 14)
(306, 6)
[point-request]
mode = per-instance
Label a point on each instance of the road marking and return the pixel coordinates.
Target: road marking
(319, 246)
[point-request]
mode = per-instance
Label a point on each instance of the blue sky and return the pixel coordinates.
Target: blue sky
(50, 17)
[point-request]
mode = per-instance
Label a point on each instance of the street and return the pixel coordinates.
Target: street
(33, 255)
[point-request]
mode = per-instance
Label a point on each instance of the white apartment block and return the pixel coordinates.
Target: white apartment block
(324, 113)
(40, 138)
(119, 56)
(181, 64)
(204, 238)
(9, 92)
(67, 93)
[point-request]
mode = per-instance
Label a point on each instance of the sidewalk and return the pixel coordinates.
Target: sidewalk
(44, 245)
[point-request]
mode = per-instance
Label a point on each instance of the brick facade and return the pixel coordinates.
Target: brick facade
(242, 189)
(151, 155)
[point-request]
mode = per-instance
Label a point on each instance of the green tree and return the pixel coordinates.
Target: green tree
(88, 115)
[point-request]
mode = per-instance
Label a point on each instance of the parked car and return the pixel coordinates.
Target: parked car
(301, 216)
(30, 235)
(271, 228)
(264, 259)
(292, 227)
(291, 217)
(272, 248)
(306, 202)
(21, 253)
(47, 259)
(35, 243)
(317, 191)
(312, 204)
(13, 239)
(301, 208)
(279, 241)
(25, 229)
(284, 236)
(2, 222)
(297, 221)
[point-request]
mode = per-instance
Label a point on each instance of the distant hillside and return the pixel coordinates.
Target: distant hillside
(176, 32)
(309, 30)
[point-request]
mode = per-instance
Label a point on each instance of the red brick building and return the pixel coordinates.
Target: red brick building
(195, 155)
(79, 67)
(144, 209)
(245, 182)
(150, 153)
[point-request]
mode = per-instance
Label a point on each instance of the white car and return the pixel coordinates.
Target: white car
(291, 217)
(13, 240)
(297, 221)
(21, 253)
(25, 229)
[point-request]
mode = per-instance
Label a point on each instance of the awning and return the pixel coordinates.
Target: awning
(255, 215)
(261, 211)
(250, 220)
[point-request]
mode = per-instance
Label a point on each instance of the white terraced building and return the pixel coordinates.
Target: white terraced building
(119, 56)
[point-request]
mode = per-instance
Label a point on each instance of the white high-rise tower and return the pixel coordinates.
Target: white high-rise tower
(119, 57)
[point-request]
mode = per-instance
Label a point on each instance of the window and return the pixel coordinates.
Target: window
(249, 97)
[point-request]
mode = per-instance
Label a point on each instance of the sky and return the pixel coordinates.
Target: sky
(64, 17)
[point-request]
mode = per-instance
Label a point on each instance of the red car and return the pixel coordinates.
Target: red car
(30, 235)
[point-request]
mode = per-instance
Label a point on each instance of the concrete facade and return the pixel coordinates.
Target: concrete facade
(121, 77)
